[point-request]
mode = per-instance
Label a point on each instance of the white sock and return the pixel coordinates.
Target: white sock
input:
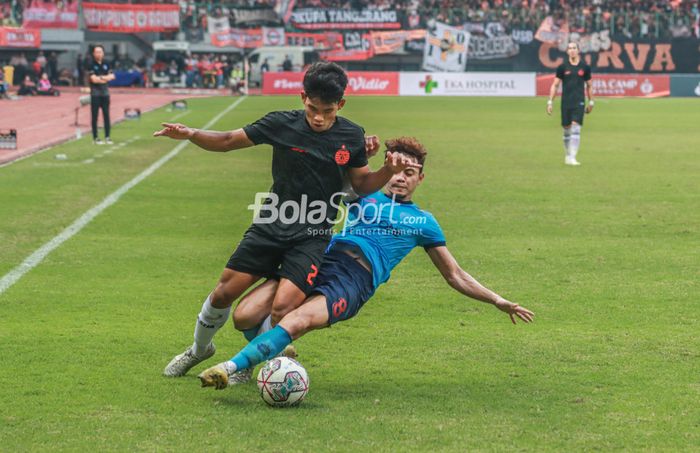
(575, 140)
(209, 321)
(567, 140)
(265, 326)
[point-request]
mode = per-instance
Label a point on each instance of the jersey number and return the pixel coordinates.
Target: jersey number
(310, 277)
(339, 307)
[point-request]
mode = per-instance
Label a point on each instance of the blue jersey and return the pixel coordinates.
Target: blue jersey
(386, 231)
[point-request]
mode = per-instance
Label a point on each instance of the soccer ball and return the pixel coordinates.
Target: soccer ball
(283, 382)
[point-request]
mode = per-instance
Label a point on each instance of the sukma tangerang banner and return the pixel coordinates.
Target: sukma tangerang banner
(129, 18)
(20, 37)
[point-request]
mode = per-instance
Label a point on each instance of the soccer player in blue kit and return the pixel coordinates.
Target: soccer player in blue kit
(380, 230)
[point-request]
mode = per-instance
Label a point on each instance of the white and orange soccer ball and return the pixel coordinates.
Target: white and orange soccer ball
(283, 382)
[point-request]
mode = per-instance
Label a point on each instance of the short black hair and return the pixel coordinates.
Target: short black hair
(96, 46)
(326, 81)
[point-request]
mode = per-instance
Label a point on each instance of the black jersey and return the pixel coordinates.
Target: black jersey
(573, 79)
(308, 169)
(99, 69)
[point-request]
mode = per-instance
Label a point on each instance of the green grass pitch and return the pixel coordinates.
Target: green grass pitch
(606, 254)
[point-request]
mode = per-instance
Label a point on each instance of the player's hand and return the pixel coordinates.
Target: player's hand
(175, 130)
(589, 108)
(397, 162)
(514, 310)
(549, 109)
(371, 145)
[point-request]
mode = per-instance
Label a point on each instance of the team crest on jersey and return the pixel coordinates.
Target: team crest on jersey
(580, 72)
(342, 156)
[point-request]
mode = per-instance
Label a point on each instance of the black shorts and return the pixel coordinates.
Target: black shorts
(345, 283)
(297, 260)
(570, 115)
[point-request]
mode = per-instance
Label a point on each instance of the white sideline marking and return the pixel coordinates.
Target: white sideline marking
(38, 256)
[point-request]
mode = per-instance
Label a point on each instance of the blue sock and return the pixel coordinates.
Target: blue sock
(249, 334)
(263, 347)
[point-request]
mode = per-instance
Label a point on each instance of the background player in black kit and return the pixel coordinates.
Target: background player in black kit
(314, 153)
(576, 78)
(99, 76)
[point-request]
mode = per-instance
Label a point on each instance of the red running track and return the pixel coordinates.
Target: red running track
(42, 122)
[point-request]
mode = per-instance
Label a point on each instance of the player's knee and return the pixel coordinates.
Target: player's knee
(575, 128)
(296, 323)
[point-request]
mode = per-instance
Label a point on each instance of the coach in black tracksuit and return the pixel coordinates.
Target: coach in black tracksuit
(99, 75)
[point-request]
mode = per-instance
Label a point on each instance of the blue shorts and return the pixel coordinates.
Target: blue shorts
(345, 283)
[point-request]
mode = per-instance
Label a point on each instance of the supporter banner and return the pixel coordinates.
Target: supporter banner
(218, 24)
(685, 85)
(319, 41)
(130, 18)
(356, 46)
(243, 38)
(41, 14)
(20, 38)
(617, 85)
(254, 16)
(359, 83)
(489, 40)
(344, 19)
(446, 49)
(552, 31)
(467, 84)
(284, 9)
(391, 41)
(273, 36)
(619, 54)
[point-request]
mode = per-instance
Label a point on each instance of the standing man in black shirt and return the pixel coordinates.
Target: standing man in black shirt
(314, 153)
(576, 78)
(100, 74)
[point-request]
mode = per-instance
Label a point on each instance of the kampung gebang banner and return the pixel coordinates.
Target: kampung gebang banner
(20, 38)
(319, 41)
(359, 83)
(48, 15)
(254, 16)
(446, 49)
(617, 85)
(129, 18)
(345, 19)
(467, 84)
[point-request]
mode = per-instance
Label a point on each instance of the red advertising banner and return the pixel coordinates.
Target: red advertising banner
(359, 83)
(243, 38)
(45, 14)
(20, 37)
(618, 85)
(130, 18)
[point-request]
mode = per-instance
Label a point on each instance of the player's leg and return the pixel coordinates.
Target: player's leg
(576, 124)
(313, 314)
(105, 117)
(343, 286)
(254, 309)
(566, 126)
(94, 111)
(255, 257)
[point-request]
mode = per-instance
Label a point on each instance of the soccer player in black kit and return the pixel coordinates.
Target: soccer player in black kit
(99, 76)
(576, 78)
(314, 153)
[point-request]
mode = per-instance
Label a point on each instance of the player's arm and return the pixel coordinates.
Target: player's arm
(461, 281)
(209, 140)
(552, 94)
(365, 181)
(589, 96)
